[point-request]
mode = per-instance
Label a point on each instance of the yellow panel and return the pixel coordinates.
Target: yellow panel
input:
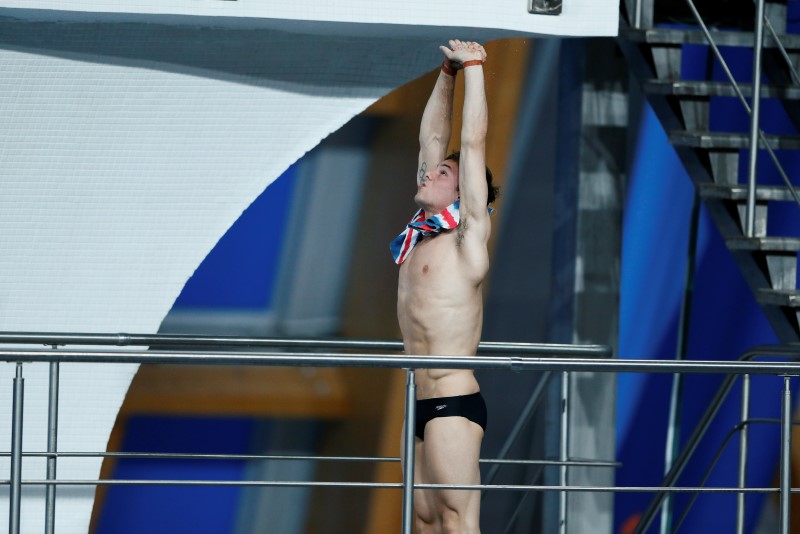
(249, 391)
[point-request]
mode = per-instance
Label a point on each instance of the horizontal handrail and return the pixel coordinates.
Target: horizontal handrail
(397, 485)
(272, 457)
(320, 359)
(183, 340)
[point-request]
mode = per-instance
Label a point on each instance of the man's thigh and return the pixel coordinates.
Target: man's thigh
(425, 504)
(452, 449)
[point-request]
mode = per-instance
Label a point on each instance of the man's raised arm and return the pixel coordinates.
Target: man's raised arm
(473, 189)
(434, 130)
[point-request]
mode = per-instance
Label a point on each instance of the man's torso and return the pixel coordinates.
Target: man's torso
(440, 309)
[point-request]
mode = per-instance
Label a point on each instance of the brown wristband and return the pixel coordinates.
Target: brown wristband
(472, 63)
(447, 70)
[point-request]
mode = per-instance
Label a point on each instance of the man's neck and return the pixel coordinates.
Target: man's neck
(429, 211)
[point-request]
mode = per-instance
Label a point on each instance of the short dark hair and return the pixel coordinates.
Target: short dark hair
(494, 191)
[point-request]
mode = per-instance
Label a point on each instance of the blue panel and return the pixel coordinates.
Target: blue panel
(793, 16)
(655, 241)
(240, 272)
(177, 509)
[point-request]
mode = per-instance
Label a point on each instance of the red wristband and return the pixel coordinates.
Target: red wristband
(472, 63)
(447, 70)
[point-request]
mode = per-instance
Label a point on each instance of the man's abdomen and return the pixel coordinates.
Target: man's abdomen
(435, 383)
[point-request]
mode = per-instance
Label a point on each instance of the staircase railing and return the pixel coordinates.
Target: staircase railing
(692, 443)
(756, 133)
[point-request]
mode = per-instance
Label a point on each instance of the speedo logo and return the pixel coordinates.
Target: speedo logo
(440, 407)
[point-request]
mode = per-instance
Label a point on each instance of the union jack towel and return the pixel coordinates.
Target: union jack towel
(420, 227)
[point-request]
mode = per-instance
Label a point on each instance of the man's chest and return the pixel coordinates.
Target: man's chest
(432, 262)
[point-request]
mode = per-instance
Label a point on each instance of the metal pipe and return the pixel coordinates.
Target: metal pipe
(230, 358)
(718, 55)
(754, 120)
(408, 467)
(786, 450)
(563, 453)
(525, 415)
(15, 495)
(637, 14)
(189, 456)
(674, 418)
(720, 450)
(320, 359)
(56, 339)
(52, 448)
(669, 449)
(781, 351)
(745, 415)
(398, 485)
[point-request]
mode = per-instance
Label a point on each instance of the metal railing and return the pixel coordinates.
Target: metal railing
(701, 429)
(257, 356)
(548, 359)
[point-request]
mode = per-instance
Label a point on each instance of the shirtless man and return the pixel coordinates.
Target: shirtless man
(443, 262)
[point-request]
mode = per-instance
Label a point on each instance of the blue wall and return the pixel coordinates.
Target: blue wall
(177, 509)
(240, 272)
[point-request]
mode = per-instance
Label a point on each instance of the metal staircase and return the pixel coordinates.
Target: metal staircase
(712, 158)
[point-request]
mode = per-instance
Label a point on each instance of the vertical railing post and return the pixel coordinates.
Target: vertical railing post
(640, 13)
(669, 449)
(637, 14)
(16, 453)
(682, 347)
(754, 121)
(408, 454)
(786, 450)
(745, 416)
(563, 455)
(52, 448)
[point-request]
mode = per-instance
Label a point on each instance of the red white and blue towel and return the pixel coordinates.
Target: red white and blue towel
(420, 227)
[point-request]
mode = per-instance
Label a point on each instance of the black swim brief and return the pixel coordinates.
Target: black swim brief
(473, 407)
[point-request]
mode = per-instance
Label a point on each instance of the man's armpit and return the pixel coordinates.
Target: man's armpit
(461, 230)
(470, 223)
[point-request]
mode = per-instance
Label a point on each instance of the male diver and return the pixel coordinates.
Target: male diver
(443, 262)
